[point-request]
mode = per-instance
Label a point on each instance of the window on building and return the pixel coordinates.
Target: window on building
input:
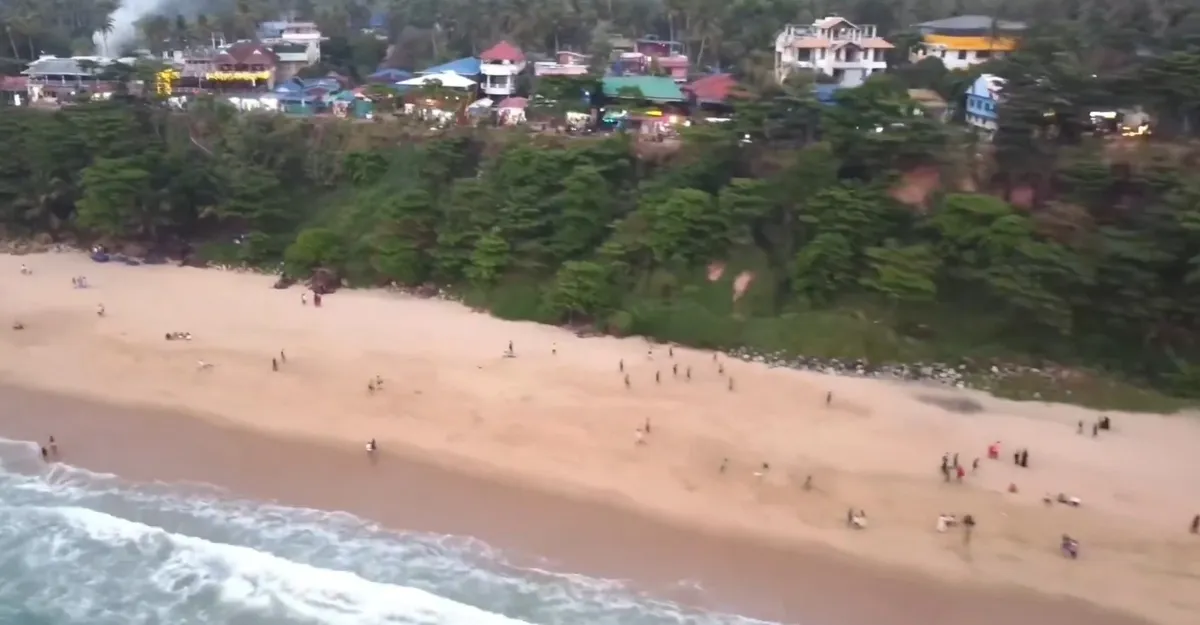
(962, 55)
(983, 54)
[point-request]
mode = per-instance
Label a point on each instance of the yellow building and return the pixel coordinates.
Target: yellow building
(966, 40)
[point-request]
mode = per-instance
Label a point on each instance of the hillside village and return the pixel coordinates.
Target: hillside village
(647, 85)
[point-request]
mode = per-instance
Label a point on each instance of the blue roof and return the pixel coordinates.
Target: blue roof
(468, 66)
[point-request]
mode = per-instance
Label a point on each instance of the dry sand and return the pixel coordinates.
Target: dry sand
(567, 423)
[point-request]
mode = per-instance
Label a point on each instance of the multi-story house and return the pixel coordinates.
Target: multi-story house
(500, 65)
(650, 53)
(53, 77)
(847, 52)
(296, 45)
(983, 101)
(243, 66)
(966, 40)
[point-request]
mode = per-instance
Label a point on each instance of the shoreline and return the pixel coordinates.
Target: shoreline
(557, 419)
(536, 528)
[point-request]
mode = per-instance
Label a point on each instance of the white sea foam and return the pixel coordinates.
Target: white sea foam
(260, 581)
(185, 554)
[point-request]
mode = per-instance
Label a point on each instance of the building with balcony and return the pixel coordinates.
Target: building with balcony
(564, 64)
(52, 78)
(500, 65)
(966, 40)
(243, 66)
(849, 53)
(296, 45)
(983, 103)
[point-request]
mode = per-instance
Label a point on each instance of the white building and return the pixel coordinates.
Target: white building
(297, 44)
(833, 46)
(500, 65)
(966, 40)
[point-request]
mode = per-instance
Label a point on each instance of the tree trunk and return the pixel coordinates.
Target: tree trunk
(12, 42)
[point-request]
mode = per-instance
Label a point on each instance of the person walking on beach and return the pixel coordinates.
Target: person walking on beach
(1196, 524)
(274, 364)
(670, 351)
(621, 365)
(282, 356)
(657, 377)
(689, 372)
(304, 298)
(626, 380)
(647, 426)
(968, 527)
(828, 398)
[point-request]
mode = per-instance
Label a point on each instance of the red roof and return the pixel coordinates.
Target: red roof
(13, 83)
(513, 103)
(503, 51)
(715, 88)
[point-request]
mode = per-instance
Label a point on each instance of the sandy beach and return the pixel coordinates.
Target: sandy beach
(559, 419)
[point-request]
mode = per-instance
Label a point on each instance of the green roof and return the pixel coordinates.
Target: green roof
(655, 88)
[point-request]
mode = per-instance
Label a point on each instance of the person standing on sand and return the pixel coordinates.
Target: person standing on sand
(53, 445)
(670, 351)
(626, 380)
(657, 377)
(960, 472)
(675, 370)
(282, 356)
(730, 384)
(99, 310)
(274, 364)
(968, 527)
(828, 398)
(975, 465)
(1196, 524)
(45, 455)
(689, 372)
(621, 365)
(316, 299)
(1095, 430)
(647, 426)
(1079, 429)
(304, 298)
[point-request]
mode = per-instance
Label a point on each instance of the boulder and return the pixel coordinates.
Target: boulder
(324, 281)
(283, 282)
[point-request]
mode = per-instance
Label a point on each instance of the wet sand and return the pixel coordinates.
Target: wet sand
(813, 586)
(558, 419)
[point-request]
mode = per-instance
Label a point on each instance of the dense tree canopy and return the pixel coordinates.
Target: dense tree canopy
(865, 229)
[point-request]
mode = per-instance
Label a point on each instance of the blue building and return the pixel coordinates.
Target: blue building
(983, 102)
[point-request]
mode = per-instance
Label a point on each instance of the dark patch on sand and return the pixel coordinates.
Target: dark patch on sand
(961, 405)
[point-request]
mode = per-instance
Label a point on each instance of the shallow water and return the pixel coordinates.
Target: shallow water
(78, 547)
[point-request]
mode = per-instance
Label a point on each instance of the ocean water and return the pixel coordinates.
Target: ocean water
(83, 548)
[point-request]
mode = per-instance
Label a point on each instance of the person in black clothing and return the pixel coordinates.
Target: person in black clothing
(1196, 524)
(1025, 458)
